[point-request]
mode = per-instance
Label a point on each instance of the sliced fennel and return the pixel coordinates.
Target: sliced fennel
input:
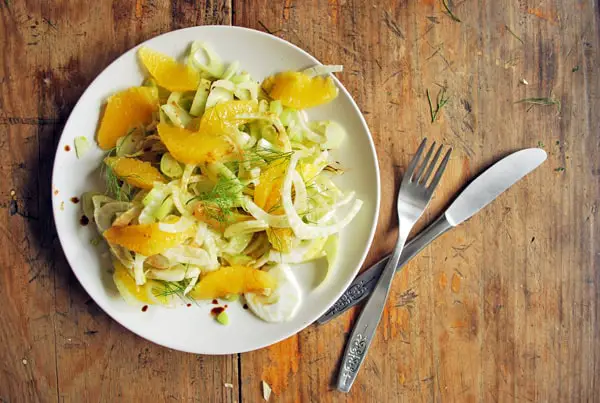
(245, 227)
(204, 58)
(331, 249)
(193, 279)
(199, 102)
(276, 108)
(87, 204)
(334, 134)
(181, 225)
(231, 70)
(307, 251)
(283, 303)
(321, 70)
(122, 255)
(166, 207)
(125, 218)
(220, 91)
(306, 131)
(301, 229)
(170, 166)
(82, 146)
(188, 255)
(341, 202)
(138, 269)
(212, 250)
(180, 199)
(105, 212)
(235, 245)
(177, 115)
(130, 143)
(181, 99)
(152, 203)
(274, 221)
(174, 273)
(246, 91)
(186, 176)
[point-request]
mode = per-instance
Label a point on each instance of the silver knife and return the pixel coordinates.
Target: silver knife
(478, 194)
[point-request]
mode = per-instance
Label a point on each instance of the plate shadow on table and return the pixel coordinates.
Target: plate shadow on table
(35, 207)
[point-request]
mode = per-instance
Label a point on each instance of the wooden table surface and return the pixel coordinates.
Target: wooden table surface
(503, 308)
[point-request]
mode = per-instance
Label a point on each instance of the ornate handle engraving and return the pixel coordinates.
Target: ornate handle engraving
(354, 357)
(351, 297)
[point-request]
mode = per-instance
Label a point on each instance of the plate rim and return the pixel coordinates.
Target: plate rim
(347, 282)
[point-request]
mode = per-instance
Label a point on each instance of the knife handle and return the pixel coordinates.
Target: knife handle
(363, 285)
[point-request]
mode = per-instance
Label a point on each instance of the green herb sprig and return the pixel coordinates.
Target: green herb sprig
(220, 201)
(541, 101)
(510, 31)
(265, 155)
(170, 288)
(113, 182)
(449, 12)
(441, 101)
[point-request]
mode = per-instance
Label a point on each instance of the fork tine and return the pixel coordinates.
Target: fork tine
(417, 176)
(425, 178)
(413, 163)
(439, 172)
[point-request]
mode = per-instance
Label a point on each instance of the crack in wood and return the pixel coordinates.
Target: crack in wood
(17, 120)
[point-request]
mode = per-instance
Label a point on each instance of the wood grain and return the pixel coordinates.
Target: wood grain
(56, 344)
(503, 308)
(506, 304)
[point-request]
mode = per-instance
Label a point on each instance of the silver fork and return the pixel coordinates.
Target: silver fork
(413, 196)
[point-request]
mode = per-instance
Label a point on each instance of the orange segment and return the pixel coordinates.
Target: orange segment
(124, 110)
(267, 194)
(132, 292)
(194, 147)
(299, 91)
(127, 286)
(211, 142)
(146, 239)
(233, 280)
(167, 72)
(137, 173)
(222, 117)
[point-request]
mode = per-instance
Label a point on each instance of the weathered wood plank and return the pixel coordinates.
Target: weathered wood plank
(56, 343)
(499, 298)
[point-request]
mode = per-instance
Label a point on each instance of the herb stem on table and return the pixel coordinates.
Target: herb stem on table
(510, 31)
(541, 101)
(441, 101)
(449, 12)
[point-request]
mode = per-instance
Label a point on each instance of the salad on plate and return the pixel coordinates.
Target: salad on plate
(217, 183)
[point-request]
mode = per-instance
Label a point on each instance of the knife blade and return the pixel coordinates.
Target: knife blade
(479, 193)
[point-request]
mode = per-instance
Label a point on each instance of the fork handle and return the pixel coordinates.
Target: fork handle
(366, 325)
(364, 284)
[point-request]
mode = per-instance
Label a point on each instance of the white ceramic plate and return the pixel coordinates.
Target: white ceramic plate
(192, 329)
